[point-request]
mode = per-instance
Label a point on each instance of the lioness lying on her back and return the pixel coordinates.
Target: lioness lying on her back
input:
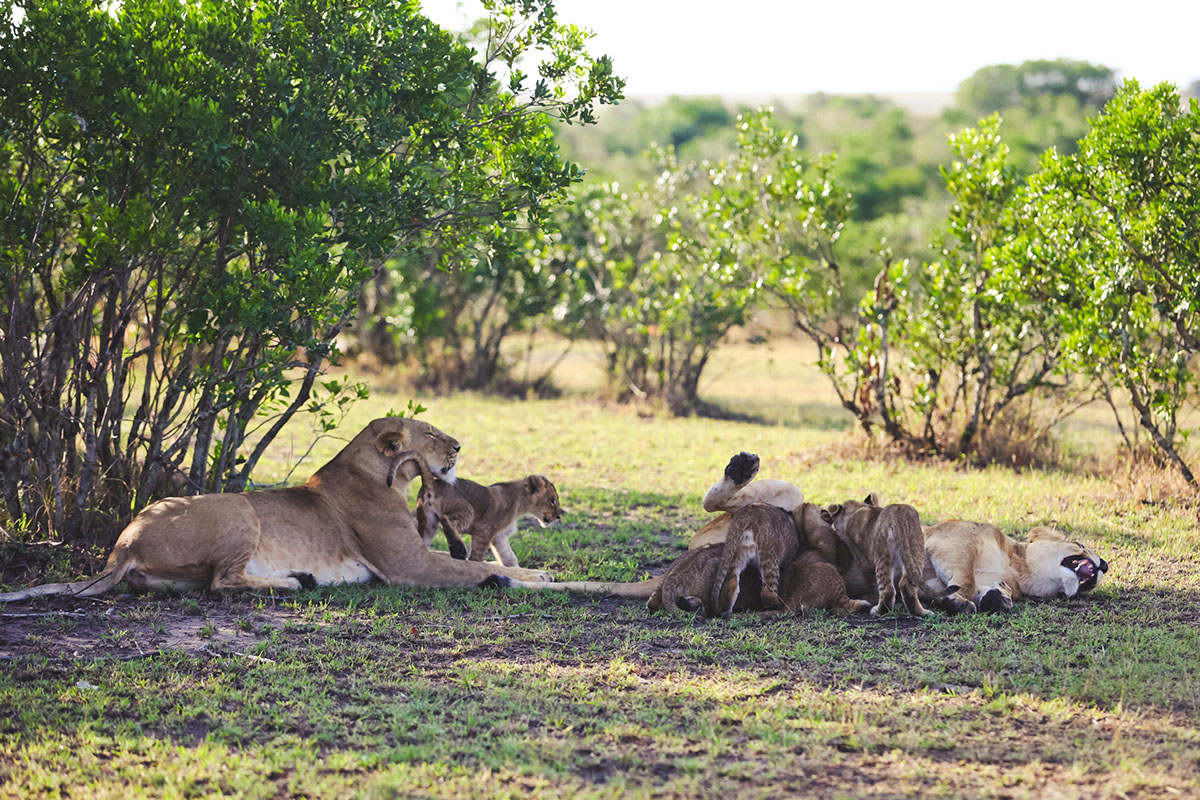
(973, 566)
(488, 514)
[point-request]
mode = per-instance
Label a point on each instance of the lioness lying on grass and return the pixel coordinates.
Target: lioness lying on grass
(348, 524)
(966, 566)
(973, 566)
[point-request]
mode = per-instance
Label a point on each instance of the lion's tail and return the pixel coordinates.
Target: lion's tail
(113, 573)
(633, 589)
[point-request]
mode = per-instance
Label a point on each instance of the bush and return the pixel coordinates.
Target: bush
(194, 195)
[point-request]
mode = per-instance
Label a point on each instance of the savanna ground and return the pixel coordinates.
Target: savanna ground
(389, 691)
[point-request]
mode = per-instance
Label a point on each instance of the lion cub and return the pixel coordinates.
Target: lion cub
(811, 581)
(688, 583)
(488, 514)
(762, 536)
(888, 551)
(814, 580)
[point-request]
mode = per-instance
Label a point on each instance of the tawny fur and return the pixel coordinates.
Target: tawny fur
(887, 548)
(973, 566)
(814, 580)
(489, 514)
(811, 583)
(349, 523)
(687, 585)
(760, 536)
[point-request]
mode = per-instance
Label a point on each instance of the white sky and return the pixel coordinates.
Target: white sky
(847, 46)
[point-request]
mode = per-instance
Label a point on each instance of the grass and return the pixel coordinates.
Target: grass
(380, 691)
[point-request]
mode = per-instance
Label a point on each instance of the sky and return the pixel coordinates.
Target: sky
(865, 46)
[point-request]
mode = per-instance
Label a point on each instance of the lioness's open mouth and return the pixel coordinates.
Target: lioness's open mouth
(1085, 569)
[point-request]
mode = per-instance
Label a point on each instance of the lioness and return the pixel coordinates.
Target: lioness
(488, 514)
(887, 546)
(350, 522)
(973, 566)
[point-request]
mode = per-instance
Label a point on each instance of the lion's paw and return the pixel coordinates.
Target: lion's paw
(957, 604)
(996, 601)
(742, 468)
(304, 580)
(496, 582)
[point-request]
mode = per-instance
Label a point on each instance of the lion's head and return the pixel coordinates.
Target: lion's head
(396, 441)
(1059, 565)
(544, 507)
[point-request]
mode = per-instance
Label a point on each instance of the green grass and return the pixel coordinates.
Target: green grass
(383, 691)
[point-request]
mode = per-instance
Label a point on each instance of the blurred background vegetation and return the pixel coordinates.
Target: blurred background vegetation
(892, 240)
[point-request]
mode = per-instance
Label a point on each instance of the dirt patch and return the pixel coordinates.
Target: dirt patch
(129, 627)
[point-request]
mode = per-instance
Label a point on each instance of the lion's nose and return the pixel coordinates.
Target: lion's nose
(1103, 565)
(457, 447)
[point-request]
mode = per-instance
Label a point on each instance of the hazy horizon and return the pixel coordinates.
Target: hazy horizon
(924, 47)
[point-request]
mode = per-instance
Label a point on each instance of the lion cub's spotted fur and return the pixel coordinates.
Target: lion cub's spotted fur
(888, 549)
(810, 581)
(814, 580)
(687, 585)
(761, 536)
(488, 514)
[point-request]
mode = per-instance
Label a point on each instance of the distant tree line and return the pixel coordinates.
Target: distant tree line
(1067, 275)
(200, 201)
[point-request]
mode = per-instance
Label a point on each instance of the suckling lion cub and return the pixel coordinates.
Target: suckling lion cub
(687, 585)
(762, 536)
(811, 581)
(888, 549)
(488, 514)
(814, 580)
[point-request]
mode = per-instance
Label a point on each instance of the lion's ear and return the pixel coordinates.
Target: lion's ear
(390, 443)
(1041, 532)
(829, 513)
(534, 483)
(873, 500)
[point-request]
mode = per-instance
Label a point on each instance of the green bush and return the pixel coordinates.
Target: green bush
(195, 193)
